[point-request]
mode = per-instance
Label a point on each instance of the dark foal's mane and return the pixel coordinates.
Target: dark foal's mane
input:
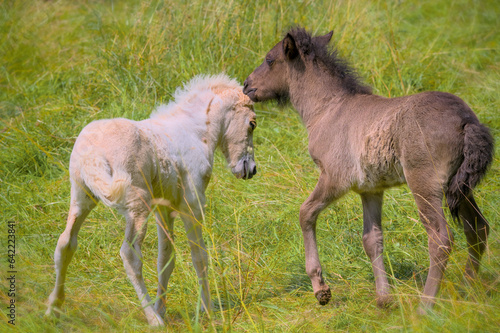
(336, 66)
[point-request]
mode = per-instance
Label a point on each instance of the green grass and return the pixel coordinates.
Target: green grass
(64, 64)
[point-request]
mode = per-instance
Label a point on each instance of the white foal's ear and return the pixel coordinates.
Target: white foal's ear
(209, 105)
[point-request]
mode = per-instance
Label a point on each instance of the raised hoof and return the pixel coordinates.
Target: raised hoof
(385, 301)
(323, 296)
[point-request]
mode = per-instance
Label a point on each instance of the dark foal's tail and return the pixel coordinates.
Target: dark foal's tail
(477, 157)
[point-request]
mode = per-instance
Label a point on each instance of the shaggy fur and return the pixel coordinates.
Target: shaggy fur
(367, 143)
(166, 161)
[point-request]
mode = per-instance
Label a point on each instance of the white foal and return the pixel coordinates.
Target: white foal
(165, 160)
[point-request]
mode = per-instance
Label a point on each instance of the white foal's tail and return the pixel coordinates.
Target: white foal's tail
(108, 185)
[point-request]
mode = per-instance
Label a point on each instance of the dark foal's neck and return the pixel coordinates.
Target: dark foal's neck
(323, 85)
(314, 92)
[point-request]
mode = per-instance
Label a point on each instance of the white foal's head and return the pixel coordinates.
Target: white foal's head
(237, 140)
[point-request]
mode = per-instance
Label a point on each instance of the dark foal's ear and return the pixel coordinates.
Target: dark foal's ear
(323, 40)
(289, 47)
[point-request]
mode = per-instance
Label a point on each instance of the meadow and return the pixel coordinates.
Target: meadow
(64, 64)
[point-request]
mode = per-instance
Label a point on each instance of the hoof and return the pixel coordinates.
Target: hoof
(323, 296)
(385, 301)
(53, 312)
(422, 311)
(156, 321)
(425, 309)
(426, 305)
(160, 310)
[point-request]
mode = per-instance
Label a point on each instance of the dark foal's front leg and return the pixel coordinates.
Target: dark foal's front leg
(319, 199)
(374, 245)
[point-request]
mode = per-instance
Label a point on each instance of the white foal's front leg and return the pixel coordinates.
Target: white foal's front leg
(192, 217)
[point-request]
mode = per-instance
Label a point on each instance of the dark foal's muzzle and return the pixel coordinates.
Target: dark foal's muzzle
(248, 90)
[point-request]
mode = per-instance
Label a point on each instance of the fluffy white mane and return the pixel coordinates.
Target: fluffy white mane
(194, 97)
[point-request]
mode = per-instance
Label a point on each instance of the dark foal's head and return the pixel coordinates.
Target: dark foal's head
(272, 79)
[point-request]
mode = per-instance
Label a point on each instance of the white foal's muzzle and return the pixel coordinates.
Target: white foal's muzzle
(245, 168)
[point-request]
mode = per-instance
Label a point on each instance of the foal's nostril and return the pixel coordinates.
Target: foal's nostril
(245, 169)
(254, 171)
(245, 85)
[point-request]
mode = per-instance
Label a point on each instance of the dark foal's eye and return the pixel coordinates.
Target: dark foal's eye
(270, 62)
(253, 124)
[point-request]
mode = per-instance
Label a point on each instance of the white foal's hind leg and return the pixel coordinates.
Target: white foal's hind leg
(136, 216)
(81, 205)
(192, 217)
(166, 255)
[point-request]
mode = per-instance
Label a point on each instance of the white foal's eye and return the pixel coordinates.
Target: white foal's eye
(253, 124)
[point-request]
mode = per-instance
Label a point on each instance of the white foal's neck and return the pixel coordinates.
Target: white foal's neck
(201, 106)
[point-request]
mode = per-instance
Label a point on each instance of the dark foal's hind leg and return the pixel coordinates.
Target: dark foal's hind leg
(476, 230)
(373, 244)
(309, 211)
(429, 196)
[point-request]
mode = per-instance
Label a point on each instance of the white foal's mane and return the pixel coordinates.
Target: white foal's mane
(197, 93)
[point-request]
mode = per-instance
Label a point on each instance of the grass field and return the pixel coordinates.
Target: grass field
(64, 64)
